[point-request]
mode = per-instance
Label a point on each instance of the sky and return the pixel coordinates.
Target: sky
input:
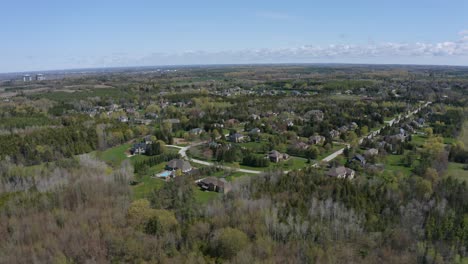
(52, 35)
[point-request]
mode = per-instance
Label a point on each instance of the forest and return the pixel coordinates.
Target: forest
(273, 164)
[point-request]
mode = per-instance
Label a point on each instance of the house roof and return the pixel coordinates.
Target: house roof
(179, 164)
(339, 171)
(236, 135)
(214, 181)
(274, 154)
(359, 157)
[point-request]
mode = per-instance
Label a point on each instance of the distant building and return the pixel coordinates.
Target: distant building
(27, 78)
(40, 77)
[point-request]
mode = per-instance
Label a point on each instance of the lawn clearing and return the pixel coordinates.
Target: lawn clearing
(456, 170)
(393, 163)
(146, 185)
(463, 137)
(204, 197)
(114, 155)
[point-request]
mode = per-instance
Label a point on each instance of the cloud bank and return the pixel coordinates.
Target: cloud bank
(381, 52)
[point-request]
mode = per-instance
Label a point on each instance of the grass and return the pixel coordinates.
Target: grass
(114, 155)
(456, 170)
(418, 140)
(463, 137)
(147, 183)
(393, 163)
(204, 197)
(257, 147)
(294, 163)
(146, 186)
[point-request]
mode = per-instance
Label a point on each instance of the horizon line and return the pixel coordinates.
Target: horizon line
(232, 64)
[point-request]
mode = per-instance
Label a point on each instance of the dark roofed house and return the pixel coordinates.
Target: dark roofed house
(179, 164)
(214, 184)
(316, 139)
(236, 137)
(139, 148)
(276, 156)
(301, 145)
(196, 131)
(359, 158)
(341, 172)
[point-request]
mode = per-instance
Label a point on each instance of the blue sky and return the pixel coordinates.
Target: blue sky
(42, 35)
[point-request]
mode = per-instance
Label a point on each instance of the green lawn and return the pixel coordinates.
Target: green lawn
(393, 163)
(146, 186)
(456, 170)
(114, 155)
(204, 197)
(463, 137)
(257, 147)
(418, 140)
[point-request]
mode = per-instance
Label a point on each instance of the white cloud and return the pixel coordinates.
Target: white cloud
(463, 32)
(386, 52)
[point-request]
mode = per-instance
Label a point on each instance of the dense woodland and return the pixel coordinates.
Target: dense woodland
(63, 201)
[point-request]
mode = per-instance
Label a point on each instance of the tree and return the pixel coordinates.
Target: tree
(153, 226)
(228, 242)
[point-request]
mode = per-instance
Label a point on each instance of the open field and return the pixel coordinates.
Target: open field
(463, 137)
(456, 170)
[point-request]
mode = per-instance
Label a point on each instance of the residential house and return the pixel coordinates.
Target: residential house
(214, 184)
(398, 138)
(421, 121)
(139, 148)
(232, 121)
(255, 117)
(341, 172)
(359, 158)
(236, 138)
(255, 131)
(343, 129)
(148, 140)
(316, 140)
(353, 126)
(123, 119)
(334, 133)
(151, 115)
(315, 115)
(140, 121)
(196, 131)
(371, 152)
(301, 145)
(179, 164)
(173, 120)
(276, 156)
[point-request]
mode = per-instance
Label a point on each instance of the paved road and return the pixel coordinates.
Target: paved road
(183, 150)
(183, 154)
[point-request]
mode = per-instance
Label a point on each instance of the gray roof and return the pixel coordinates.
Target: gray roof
(179, 164)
